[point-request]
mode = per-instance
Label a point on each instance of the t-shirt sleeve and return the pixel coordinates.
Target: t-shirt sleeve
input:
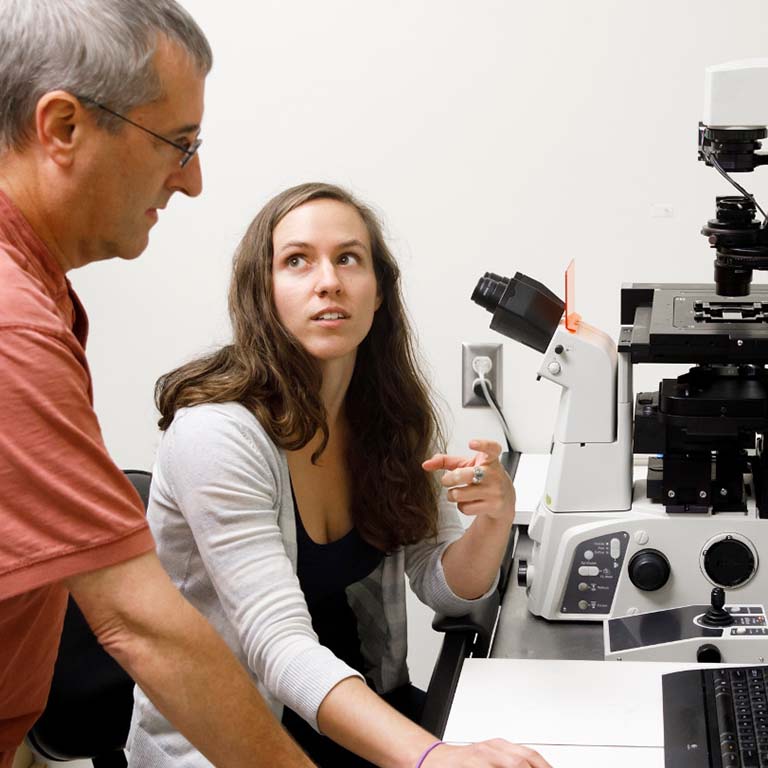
(65, 508)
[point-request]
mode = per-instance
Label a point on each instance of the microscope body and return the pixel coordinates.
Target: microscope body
(704, 482)
(642, 553)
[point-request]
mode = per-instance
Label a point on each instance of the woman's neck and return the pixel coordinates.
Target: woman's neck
(336, 377)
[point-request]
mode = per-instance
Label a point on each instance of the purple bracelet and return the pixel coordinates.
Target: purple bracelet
(426, 752)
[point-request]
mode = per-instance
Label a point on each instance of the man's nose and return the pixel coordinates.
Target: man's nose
(188, 180)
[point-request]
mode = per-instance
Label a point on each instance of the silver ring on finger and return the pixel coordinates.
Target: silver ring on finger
(478, 473)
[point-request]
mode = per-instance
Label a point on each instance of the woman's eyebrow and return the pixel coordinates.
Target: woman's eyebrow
(294, 244)
(344, 244)
(351, 243)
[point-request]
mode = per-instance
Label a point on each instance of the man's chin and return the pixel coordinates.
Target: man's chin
(133, 254)
(123, 251)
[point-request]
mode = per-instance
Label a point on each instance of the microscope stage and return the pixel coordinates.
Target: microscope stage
(690, 323)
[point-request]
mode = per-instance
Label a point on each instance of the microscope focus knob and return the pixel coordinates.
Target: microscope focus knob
(708, 654)
(649, 570)
(522, 573)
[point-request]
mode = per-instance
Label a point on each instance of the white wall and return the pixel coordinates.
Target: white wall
(492, 134)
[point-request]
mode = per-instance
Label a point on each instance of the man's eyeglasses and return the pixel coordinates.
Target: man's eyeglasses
(188, 152)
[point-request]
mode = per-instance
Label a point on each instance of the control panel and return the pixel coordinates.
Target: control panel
(594, 574)
(713, 634)
(748, 620)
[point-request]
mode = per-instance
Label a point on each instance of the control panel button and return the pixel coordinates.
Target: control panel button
(588, 554)
(615, 548)
(583, 604)
(583, 586)
(554, 368)
(588, 570)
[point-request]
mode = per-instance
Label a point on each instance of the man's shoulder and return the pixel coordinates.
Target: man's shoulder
(24, 301)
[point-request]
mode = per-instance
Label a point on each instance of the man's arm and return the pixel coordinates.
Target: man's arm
(182, 665)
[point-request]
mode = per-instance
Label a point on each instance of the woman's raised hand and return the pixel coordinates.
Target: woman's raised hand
(478, 484)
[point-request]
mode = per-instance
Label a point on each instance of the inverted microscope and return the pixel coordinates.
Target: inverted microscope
(671, 563)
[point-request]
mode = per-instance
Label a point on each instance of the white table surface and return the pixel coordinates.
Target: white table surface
(575, 713)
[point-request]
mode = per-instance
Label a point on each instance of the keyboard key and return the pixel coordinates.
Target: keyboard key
(750, 758)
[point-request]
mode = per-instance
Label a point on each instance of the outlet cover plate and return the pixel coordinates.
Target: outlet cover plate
(468, 353)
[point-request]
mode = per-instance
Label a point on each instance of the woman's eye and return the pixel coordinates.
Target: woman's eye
(294, 261)
(348, 258)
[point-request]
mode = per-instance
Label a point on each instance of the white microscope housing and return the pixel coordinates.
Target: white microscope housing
(607, 545)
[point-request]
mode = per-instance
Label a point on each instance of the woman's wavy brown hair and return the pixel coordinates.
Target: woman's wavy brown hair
(393, 422)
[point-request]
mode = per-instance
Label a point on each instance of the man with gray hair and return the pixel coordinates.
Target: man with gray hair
(100, 108)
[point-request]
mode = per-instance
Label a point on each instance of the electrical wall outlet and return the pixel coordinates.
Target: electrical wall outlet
(468, 375)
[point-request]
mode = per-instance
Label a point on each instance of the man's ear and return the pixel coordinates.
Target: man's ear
(59, 122)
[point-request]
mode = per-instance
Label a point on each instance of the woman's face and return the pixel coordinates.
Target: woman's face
(324, 285)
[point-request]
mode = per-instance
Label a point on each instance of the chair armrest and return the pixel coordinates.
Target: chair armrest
(468, 635)
(479, 623)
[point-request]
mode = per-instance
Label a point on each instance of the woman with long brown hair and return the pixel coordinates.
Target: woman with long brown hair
(294, 488)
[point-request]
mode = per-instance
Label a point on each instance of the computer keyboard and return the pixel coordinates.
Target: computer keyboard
(741, 709)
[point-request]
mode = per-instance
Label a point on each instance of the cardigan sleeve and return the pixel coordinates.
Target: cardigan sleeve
(424, 566)
(224, 473)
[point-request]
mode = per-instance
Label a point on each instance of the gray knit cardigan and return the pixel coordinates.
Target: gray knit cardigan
(222, 515)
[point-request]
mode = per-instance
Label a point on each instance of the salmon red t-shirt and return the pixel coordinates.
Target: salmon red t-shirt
(65, 508)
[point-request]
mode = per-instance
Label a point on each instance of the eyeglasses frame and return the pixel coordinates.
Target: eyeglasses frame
(188, 152)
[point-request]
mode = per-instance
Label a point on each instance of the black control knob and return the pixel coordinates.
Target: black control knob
(522, 573)
(708, 654)
(729, 562)
(649, 570)
(716, 615)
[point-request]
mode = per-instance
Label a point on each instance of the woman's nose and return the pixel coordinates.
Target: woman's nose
(327, 279)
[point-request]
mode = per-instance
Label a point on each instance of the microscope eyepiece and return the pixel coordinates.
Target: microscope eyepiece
(523, 309)
(489, 290)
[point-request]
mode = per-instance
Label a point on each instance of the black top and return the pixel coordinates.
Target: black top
(324, 572)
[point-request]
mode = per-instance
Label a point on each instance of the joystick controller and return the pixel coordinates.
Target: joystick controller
(716, 615)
